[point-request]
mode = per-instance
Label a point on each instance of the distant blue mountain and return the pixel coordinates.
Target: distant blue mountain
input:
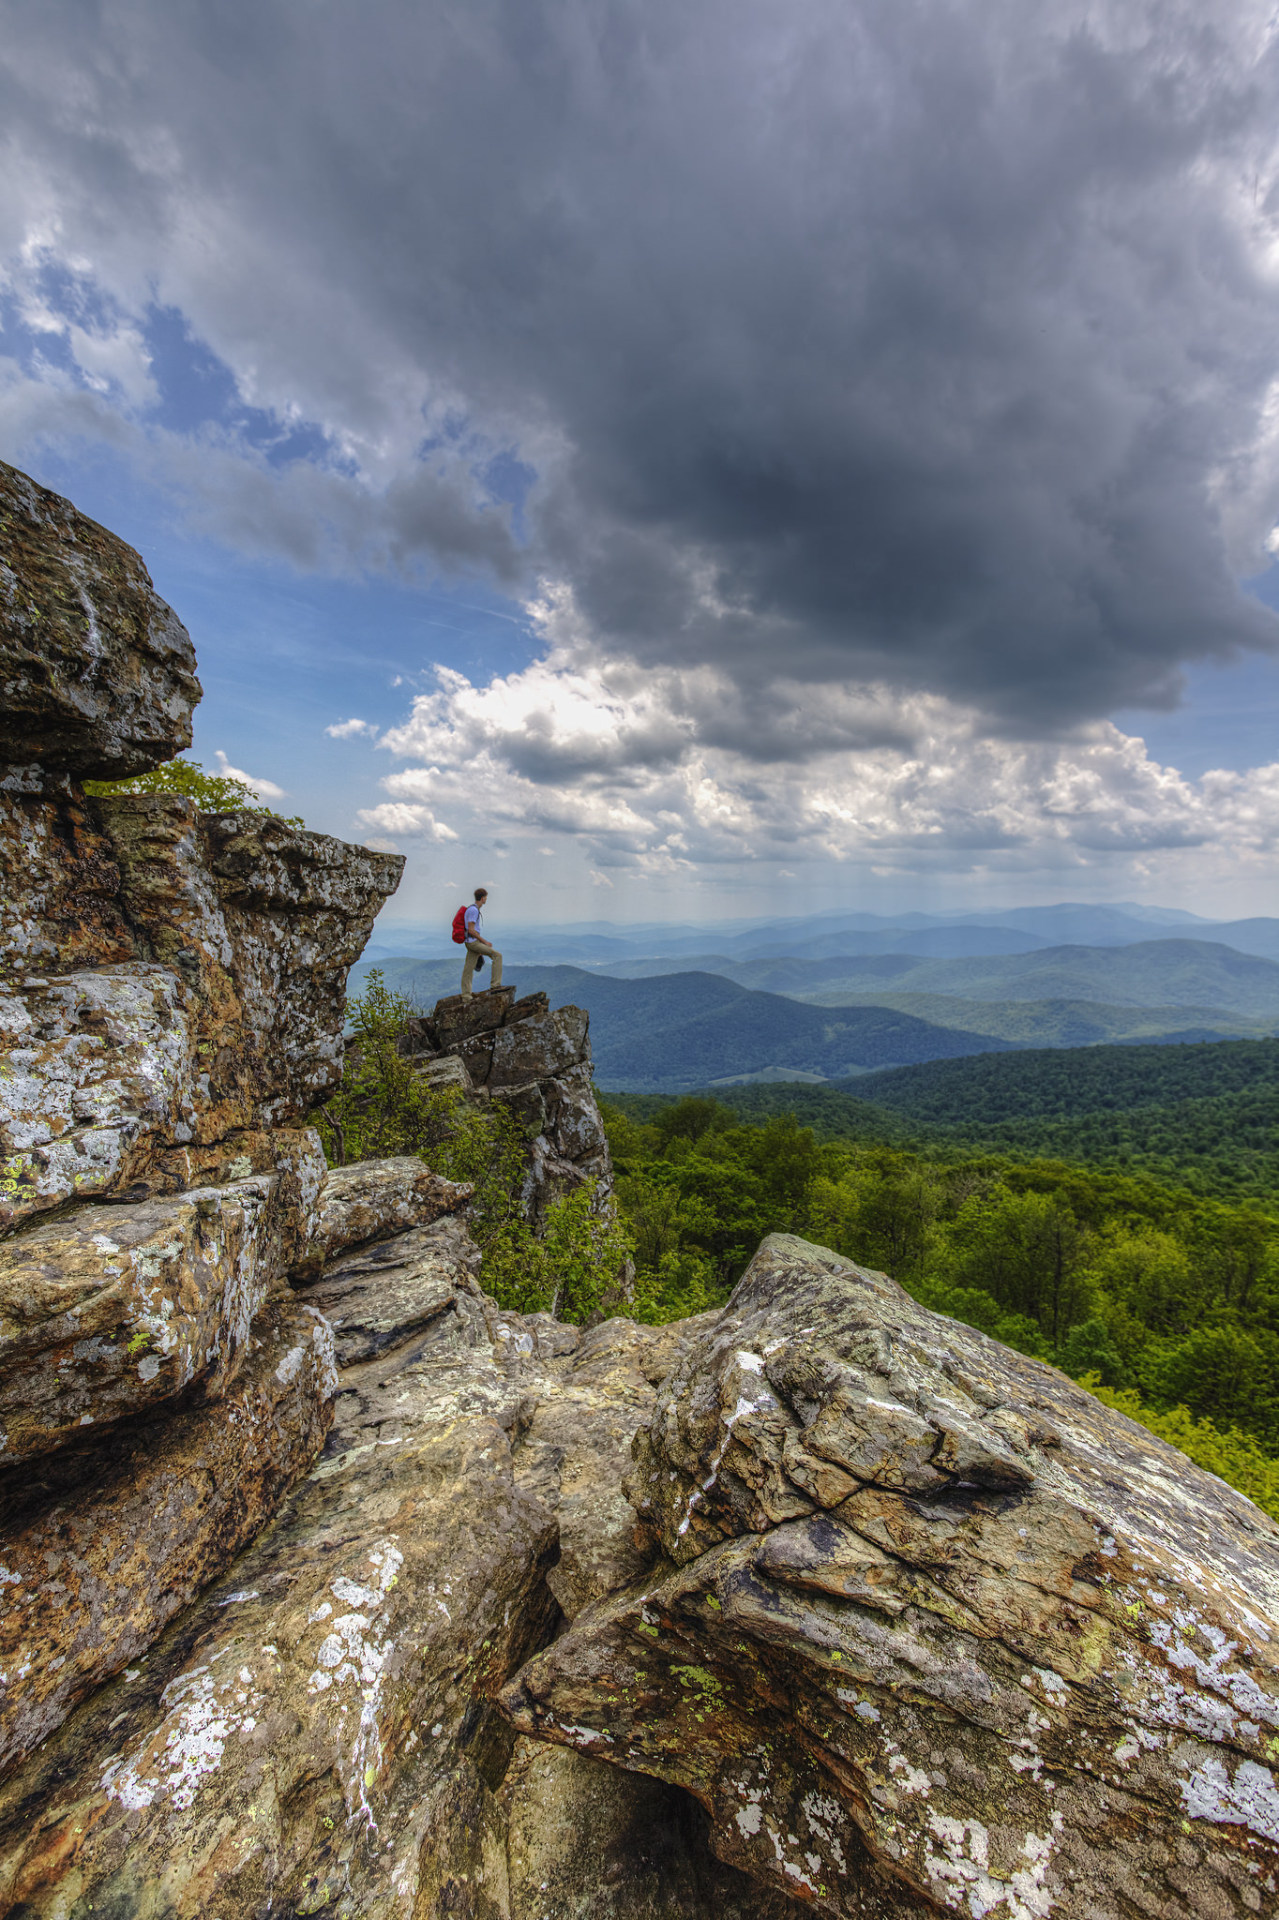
(685, 1030)
(633, 950)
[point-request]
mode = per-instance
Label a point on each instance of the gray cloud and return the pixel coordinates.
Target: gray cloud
(905, 342)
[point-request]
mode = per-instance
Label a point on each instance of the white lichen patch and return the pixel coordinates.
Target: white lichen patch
(1249, 1800)
(350, 1664)
(963, 1879)
(104, 1056)
(188, 1745)
(756, 1401)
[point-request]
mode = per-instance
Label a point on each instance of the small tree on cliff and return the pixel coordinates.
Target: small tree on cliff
(211, 792)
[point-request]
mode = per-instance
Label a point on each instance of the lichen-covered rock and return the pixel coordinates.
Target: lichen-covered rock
(229, 1021)
(538, 1049)
(392, 1291)
(60, 904)
(937, 1631)
(91, 1064)
(299, 908)
(373, 1199)
(535, 1063)
(97, 674)
(322, 1719)
(112, 1310)
(293, 1155)
(265, 921)
(91, 1581)
(317, 1732)
(455, 1019)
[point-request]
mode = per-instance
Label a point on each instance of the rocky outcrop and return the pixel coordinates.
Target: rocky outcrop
(171, 1006)
(327, 1585)
(97, 674)
(373, 1200)
(318, 1733)
(930, 1628)
(112, 1310)
(536, 1063)
(92, 1579)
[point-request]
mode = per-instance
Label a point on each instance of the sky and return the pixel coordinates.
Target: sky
(669, 462)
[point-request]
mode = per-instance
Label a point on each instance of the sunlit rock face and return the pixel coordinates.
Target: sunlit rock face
(318, 1731)
(326, 1585)
(929, 1628)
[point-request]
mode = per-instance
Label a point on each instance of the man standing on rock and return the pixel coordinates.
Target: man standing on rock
(476, 945)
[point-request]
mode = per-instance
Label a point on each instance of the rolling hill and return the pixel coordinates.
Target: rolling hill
(1206, 1116)
(686, 1030)
(1065, 1023)
(1196, 975)
(619, 947)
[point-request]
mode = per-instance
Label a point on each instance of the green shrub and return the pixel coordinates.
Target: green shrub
(211, 792)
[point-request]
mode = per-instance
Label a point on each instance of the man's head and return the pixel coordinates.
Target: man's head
(481, 895)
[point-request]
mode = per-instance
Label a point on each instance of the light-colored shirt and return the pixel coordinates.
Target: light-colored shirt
(474, 924)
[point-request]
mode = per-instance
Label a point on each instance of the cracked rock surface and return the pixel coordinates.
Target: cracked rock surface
(538, 1063)
(929, 1627)
(318, 1732)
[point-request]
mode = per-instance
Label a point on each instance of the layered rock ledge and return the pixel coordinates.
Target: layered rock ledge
(928, 1627)
(537, 1063)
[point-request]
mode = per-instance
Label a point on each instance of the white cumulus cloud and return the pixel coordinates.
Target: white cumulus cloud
(655, 773)
(265, 789)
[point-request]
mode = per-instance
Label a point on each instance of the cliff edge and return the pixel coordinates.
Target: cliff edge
(327, 1585)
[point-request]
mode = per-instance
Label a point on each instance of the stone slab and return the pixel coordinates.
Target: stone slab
(317, 1733)
(113, 1310)
(390, 1292)
(541, 1048)
(264, 920)
(373, 1199)
(941, 1632)
(92, 1065)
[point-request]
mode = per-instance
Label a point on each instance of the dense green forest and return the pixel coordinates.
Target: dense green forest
(1205, 1117)
(1165, 1300)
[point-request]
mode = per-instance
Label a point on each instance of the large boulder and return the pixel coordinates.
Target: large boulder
(97, 674)
(264, 921)
(931, 1628)
(94, 1064)
(374, 1200)
(109, 1311)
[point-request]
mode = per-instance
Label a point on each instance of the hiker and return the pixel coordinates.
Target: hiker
(477, 946)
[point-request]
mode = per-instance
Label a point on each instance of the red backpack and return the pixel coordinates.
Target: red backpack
(459, 927)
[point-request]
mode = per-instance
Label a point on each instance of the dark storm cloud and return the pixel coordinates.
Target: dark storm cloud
(900, 340)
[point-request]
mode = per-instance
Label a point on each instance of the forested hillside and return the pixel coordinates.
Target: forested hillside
(1206, 1116)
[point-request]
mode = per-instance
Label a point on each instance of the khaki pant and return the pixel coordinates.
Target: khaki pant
(474, 948)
